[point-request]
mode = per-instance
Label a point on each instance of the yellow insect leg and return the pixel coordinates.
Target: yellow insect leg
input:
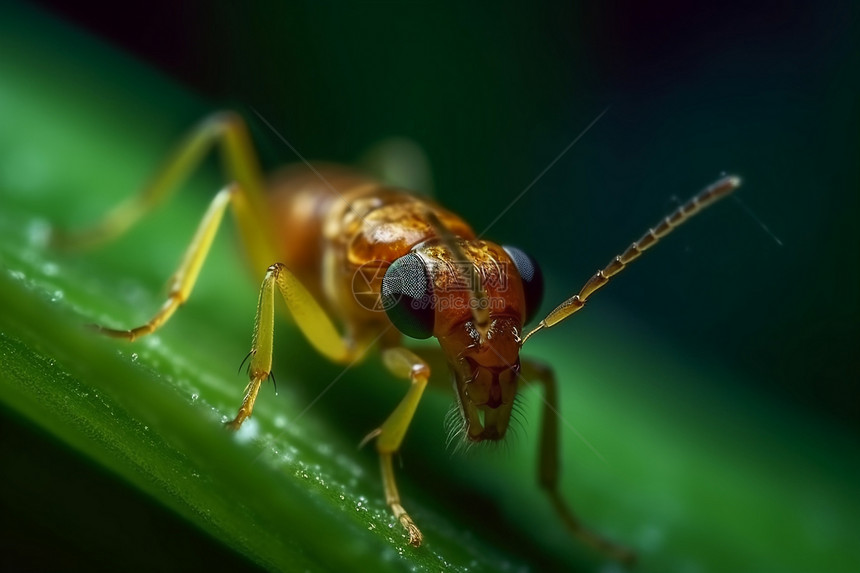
(226, 129)
(311, 319)
(403, 364)
(183, 280)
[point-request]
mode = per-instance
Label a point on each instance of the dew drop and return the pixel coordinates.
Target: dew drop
(38, 232)
(249, 431)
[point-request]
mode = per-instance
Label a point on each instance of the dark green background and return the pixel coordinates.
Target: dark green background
(494, 95)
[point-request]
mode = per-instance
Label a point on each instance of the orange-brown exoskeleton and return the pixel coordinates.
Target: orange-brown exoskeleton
(315, 233)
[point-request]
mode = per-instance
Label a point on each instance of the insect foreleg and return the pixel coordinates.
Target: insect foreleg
(311, 319)
(403, 364)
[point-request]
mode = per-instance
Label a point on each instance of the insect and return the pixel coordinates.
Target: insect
(316, 233)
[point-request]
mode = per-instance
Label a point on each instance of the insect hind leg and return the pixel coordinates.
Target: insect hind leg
(183, 280)
(227, 130)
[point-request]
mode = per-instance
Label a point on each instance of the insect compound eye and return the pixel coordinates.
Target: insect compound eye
(407, 297)
(532, 280)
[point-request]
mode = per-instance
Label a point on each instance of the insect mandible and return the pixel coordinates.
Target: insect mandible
(312, 232)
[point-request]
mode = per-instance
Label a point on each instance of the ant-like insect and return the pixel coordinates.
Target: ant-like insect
(316, 231)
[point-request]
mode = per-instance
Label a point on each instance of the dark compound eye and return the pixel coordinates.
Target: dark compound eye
(532, 280)
(407, 297)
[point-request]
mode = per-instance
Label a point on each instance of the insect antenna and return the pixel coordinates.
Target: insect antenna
(699, 202)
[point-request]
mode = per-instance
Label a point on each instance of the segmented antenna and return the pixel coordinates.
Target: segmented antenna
(705, 198)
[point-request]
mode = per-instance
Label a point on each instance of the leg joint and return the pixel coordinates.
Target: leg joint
(221, 121)
(420, 373)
